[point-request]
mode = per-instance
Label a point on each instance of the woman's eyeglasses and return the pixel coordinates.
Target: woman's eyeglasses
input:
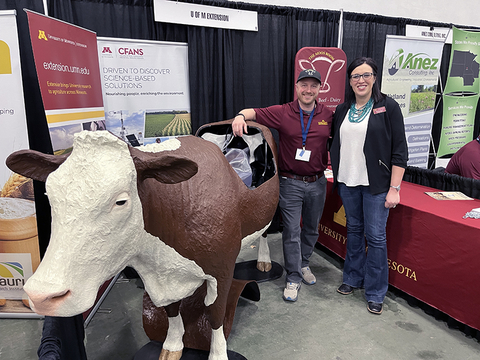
(366, 76)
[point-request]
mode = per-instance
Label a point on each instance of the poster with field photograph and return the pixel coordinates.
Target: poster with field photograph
(410, 76)
(145, 89)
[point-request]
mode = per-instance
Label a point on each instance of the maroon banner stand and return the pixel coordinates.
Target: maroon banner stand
(331, 63)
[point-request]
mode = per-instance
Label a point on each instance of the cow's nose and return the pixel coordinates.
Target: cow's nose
(47, 304)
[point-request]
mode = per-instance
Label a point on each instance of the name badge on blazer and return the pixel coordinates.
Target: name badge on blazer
(379, 110)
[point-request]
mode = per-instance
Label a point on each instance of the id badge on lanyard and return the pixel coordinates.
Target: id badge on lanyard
(302, 154)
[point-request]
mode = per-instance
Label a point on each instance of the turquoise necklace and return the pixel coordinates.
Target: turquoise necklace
(357, 115)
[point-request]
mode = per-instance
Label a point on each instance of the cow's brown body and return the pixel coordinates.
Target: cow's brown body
(202, 217)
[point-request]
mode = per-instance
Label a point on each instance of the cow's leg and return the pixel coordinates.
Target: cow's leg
(218, 346)
(173, 344)
(216, 316)
(264, 262)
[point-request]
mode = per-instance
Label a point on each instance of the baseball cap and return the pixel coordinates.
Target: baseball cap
(309, 73)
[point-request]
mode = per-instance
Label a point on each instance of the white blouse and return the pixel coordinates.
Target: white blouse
(352, 170)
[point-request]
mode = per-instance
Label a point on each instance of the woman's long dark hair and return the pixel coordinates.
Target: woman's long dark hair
(376, 93)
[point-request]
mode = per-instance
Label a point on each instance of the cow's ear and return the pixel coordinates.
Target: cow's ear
(34, 164)
(166, 168)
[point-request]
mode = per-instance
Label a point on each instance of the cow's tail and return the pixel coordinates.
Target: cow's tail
(249, 239)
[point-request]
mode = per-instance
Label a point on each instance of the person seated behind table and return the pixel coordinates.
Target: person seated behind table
(466, 161)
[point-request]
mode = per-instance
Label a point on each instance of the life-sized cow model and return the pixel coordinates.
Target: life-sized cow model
(176, 212)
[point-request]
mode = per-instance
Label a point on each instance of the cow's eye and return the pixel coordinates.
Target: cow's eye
(122, 199)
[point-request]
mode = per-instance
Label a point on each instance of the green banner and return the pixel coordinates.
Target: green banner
(464, 62)
(458, 121)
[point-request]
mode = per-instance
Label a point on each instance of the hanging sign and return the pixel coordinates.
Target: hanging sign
(203, 15)
(429, 33)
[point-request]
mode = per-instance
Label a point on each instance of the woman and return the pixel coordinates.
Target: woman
(369, 157)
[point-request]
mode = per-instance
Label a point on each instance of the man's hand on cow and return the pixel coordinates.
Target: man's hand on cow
(239, 126)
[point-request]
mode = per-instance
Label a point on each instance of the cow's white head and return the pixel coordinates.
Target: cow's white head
(96, 218)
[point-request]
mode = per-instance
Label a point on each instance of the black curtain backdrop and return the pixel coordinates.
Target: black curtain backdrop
(364, 35)
(232, 69)
(228, 69)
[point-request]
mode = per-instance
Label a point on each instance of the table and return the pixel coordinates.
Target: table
(433, 253)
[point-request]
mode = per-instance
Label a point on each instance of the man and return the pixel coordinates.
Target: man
(466, 161)
(304, 128)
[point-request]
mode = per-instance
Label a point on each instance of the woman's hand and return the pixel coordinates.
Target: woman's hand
(393, 195)
(392, 199)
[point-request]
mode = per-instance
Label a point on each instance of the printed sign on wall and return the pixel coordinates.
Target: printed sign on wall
(19, 251)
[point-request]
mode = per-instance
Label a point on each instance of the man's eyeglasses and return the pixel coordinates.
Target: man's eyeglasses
(366, 76)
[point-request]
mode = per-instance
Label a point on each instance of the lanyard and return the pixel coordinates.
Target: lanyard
(305, 132)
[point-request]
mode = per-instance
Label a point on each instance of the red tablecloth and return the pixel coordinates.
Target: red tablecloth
(434, 254)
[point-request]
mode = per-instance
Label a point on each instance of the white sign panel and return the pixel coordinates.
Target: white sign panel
(12, 108)
(145, 89)
(429, 33)
(203, 15)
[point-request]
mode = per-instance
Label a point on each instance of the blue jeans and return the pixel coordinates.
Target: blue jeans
(300, 201)
(366, 218)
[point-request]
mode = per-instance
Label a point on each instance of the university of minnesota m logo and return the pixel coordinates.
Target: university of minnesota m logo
(41, 35)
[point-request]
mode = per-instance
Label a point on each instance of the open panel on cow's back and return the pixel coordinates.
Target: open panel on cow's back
(257, 149)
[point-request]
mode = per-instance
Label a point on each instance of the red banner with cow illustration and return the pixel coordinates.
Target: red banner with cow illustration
(331, 63)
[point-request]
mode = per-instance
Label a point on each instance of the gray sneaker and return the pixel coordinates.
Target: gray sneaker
(291, 291)
(308, 277)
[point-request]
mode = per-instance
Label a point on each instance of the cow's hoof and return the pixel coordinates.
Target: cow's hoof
(25, 301)
(170, 355)
(264, 266)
